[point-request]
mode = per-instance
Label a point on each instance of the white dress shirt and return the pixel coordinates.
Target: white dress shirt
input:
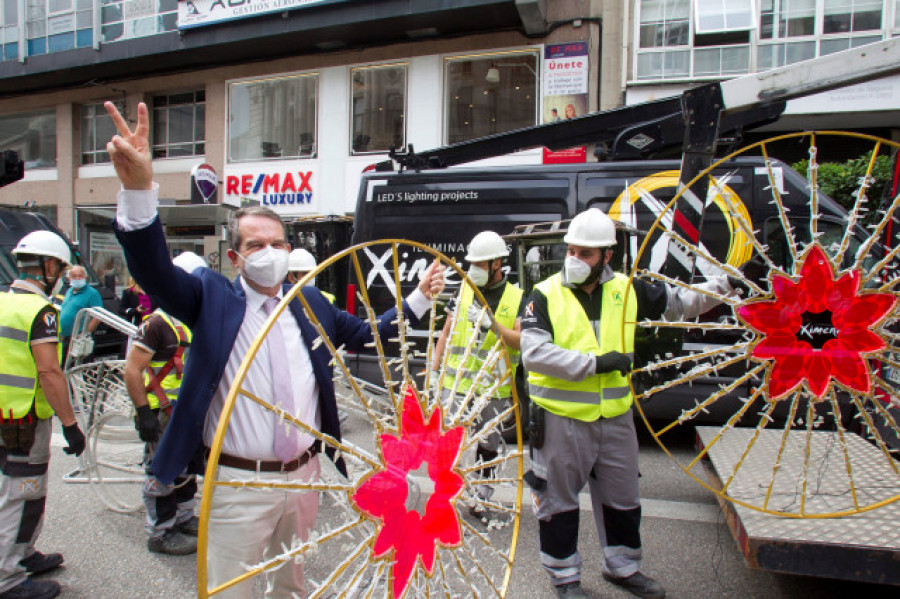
(250, 432)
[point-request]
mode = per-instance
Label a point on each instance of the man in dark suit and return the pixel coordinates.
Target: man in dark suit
(288, 370)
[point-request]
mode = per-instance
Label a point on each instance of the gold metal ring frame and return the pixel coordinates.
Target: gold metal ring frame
(346, 552)
(809, 432)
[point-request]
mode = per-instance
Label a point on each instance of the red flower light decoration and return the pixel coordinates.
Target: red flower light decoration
(817, 329)
(383, 495)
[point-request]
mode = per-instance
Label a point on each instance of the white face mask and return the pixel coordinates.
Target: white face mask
(267, 267)
(77, 283)
(478, 275)
(576, 271)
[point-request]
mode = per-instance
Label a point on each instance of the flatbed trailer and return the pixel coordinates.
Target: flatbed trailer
(864, 547)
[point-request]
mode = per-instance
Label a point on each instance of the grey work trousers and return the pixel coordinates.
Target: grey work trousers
(167, 506)
(23, 494)
(604, 455)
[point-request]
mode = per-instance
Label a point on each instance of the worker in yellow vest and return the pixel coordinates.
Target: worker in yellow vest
(486, 254)
(32, 389)
(153, 372)
(300, 264)
(577, 345)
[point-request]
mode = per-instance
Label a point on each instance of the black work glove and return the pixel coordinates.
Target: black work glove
(612, 361)
(147, 424)
(74, 439)
(754, 271)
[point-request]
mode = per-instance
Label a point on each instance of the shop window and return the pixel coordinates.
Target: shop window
(58, 25)
(96, 131)
(128, 19)
(272, 118)
(32, 136)
(490, 94)
(179, 124)
(378, 108)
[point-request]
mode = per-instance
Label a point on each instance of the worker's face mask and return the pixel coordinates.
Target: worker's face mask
(575, 271)
(266, 267)
(479, 276)
(78, 283)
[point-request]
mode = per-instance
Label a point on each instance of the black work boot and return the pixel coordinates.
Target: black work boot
(638, 584)
(570, 590)
(38, 563)
(33, 589)
(190, 527)
(173, 543)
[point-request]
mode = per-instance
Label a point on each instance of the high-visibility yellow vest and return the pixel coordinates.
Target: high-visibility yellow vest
(20, 388)
(328, 296)
(600, 395)
(173, 367)
(506, 314)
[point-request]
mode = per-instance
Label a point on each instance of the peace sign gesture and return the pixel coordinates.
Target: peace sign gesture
(129, 151)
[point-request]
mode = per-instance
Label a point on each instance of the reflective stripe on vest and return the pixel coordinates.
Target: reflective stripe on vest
(20, 388)
(506, 314)
(171, 382)
(600, 395)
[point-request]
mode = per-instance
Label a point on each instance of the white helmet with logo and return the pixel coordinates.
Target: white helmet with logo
(43, 243)
(189, 262)
(487, 245)
(300, 260)
(591, 228)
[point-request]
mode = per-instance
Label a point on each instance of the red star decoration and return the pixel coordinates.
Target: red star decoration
(383, 494)
(853, 314)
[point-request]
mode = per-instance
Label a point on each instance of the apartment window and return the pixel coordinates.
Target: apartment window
(490, 94)
(10, 30)
(96, 130)
(272, 118)
(723, 15)
(57, 25)
(849, 16)
(33, 136)
(665, 31)
(179, 124)
(379, 106)
(128, 19)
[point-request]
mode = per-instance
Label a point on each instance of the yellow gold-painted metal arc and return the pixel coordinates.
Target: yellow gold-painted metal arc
(763, 147)
(236, 389)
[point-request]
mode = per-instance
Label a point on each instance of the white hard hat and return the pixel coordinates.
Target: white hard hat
(301, 261)
(487, 245)
(189, 262)
(591, 228)
(44, 243)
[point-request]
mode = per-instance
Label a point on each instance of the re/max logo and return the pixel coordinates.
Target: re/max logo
(271, 183)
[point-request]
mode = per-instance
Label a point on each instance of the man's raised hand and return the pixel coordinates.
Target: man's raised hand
(129, 150)
(432, 282)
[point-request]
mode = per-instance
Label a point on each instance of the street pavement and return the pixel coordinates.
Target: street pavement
(686, 546)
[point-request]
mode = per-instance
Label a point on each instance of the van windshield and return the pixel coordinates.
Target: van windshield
(7, 269)
(831, 235)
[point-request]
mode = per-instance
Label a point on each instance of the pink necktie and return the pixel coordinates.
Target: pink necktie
(286, 444)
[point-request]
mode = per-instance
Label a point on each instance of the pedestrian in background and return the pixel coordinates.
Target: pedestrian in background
(578, 348)
(32, 388)
(135, 305)
(154, 369)
(80, 294)
(225, 317)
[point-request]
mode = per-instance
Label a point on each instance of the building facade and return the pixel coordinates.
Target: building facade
(290, 100)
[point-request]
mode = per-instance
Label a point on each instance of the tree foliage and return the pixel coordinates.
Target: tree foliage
(841, 181)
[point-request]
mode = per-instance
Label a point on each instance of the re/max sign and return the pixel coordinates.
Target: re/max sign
(269, 183)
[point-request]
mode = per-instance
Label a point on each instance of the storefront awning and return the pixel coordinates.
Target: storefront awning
(183, 215)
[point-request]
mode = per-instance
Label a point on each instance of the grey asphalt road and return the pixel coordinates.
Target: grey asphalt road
(686, 546)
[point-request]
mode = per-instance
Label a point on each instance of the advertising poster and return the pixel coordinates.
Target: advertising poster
(564, 87)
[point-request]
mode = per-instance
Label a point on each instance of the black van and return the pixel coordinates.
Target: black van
(15, 224)
(445, 208)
